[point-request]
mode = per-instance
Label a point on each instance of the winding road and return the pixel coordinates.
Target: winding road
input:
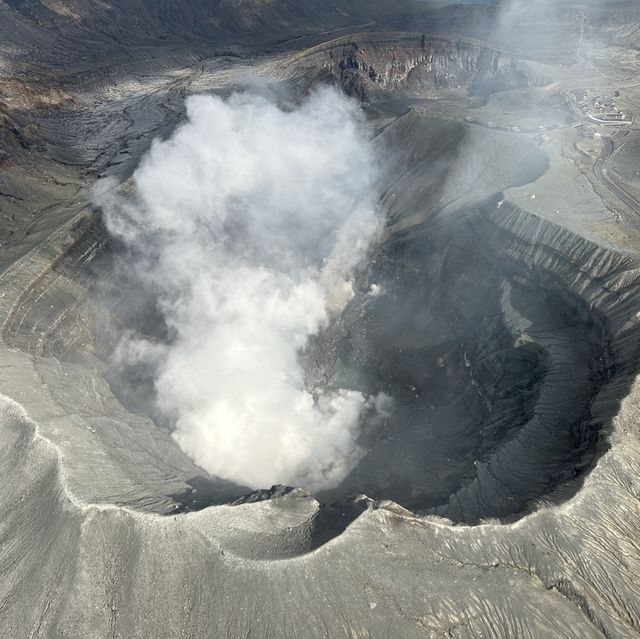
(600, 167)
(599, 170)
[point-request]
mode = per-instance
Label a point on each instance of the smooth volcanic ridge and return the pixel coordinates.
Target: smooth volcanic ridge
(499, 309)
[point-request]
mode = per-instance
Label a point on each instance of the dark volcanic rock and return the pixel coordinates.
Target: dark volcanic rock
(499, 496)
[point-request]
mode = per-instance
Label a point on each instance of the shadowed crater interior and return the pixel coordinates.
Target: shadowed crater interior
(493, 366)
(482, 333)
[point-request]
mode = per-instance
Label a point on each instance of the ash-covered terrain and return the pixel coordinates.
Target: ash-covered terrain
(319, 319)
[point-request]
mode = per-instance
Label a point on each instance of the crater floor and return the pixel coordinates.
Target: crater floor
(499, 497)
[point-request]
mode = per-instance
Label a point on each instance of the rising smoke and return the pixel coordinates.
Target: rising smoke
(248, 223)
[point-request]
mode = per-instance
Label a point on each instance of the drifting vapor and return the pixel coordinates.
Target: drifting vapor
(248, 223)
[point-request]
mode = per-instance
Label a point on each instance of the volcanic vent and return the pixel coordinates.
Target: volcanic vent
(498, 351)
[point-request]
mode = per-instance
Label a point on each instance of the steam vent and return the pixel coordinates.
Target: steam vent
(319, 319)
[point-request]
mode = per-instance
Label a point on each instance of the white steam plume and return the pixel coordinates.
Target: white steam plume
(249, 222)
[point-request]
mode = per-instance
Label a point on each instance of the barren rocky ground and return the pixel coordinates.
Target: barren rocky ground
(500, 497)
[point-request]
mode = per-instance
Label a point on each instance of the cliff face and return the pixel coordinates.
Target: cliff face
(93, 570)
(565, 329)
(503, 338)
(415, 65)
(507, 343)
(500, 496)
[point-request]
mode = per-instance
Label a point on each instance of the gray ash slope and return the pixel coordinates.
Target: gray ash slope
(508, 336)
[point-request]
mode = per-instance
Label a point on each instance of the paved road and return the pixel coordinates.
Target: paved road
(599, 170)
